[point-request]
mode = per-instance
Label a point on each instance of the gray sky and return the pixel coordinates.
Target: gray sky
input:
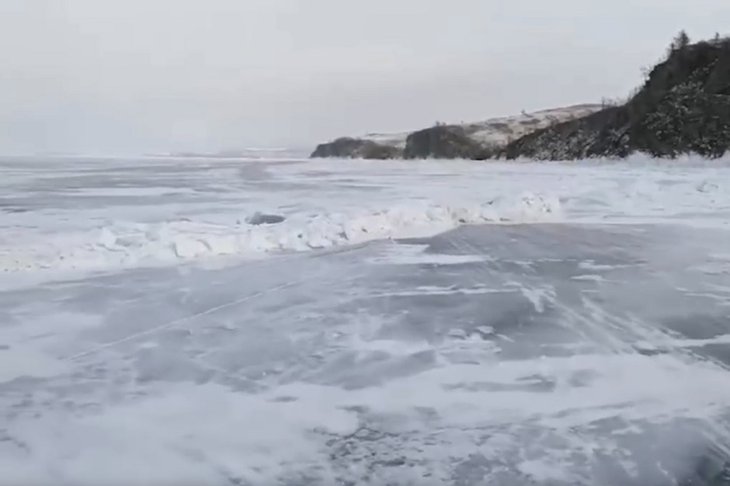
(155, 75)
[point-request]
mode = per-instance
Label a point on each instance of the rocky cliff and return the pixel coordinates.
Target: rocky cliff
(683, 107)
(357, 148)
(477, 140)
(445, 142)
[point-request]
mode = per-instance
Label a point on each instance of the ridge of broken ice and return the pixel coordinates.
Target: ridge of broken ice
(111, 214)
(123, 245)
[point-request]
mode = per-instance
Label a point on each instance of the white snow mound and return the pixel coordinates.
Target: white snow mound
(122, 245)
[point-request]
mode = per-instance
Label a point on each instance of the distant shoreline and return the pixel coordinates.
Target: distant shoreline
(682, 108)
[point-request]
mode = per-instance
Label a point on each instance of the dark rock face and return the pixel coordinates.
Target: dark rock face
(355, 148)
(443, 142)
(257, 219)
(683, 107)
(600, 134)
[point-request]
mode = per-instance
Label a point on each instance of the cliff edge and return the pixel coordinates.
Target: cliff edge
(683, 107)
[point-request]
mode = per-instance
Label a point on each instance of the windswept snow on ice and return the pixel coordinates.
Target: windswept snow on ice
(98, 215)
(495, 353)
(469, 358)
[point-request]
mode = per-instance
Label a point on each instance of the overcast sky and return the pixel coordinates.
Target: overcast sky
(154, 75)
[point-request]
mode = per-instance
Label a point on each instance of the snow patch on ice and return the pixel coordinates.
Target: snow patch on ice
(589, 278)
(538, 297)
(435, 290)
(23, 362)
(410, 254)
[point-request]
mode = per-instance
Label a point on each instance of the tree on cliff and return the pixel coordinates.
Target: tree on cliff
(680, 42)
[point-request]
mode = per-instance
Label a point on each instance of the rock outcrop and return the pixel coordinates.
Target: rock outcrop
(357, 148)
(684, 107)
(444, 142)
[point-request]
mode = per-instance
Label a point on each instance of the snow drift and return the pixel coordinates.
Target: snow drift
(125, 245)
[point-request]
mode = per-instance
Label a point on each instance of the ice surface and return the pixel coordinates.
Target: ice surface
(152, 336)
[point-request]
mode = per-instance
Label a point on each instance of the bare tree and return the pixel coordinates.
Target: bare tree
(681, 41)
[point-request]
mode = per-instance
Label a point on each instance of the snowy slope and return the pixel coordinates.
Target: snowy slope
(500, 131)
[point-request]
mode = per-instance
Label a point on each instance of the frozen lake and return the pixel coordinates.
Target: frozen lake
(400, 323)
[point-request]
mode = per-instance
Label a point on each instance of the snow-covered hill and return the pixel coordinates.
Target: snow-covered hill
(500, 131)
(492, 134)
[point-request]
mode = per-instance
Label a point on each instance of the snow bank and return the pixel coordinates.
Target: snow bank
(124, 245)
